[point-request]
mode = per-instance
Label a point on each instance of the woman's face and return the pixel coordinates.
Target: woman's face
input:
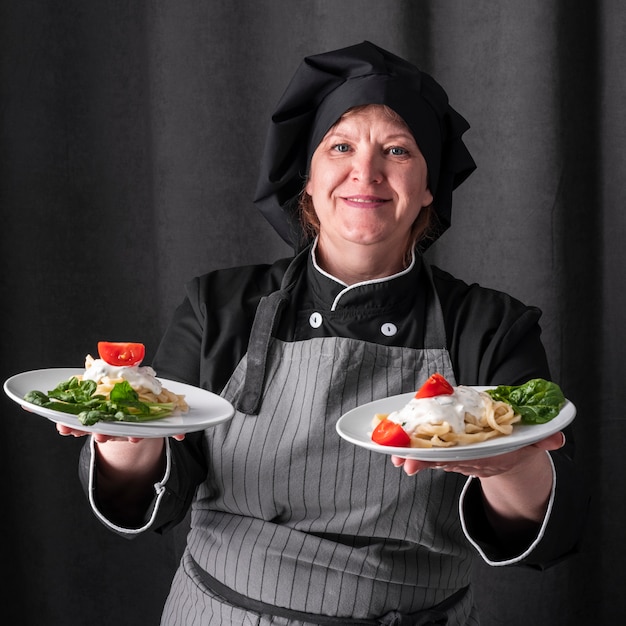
(368, 182)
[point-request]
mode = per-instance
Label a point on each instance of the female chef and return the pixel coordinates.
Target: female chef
(290, 524)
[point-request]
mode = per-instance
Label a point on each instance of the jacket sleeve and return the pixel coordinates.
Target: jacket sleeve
(495, 339)
(556, 538)
(185, 468)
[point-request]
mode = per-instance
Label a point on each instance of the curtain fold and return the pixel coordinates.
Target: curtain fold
(130, 138)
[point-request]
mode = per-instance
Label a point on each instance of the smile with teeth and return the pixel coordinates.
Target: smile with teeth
(364, 200)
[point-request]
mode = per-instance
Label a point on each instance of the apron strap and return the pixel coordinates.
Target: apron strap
(435, 616)
(265, 322)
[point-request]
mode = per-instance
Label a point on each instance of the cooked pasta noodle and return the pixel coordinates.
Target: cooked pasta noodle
(148, 388)
(495, 419)
(166, 396)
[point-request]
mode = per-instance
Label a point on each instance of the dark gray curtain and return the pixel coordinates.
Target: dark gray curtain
(131, 134)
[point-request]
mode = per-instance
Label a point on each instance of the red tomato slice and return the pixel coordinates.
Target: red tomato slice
(388, 433)
(121, 353)
(436, 385)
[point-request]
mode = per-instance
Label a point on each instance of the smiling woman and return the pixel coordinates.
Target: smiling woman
(358, 314)
(310, 221)
(368, 185)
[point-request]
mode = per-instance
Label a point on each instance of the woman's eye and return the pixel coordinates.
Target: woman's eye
(341, 147)
(397, 151)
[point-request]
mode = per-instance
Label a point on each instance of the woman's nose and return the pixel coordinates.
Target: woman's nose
(367, 167)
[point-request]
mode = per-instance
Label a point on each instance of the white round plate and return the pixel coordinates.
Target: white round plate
(355, 426)
(206, 409)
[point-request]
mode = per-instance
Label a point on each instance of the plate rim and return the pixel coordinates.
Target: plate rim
(120, 429)
(468, 452)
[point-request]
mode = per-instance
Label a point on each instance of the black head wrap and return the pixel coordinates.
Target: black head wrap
(323, 88)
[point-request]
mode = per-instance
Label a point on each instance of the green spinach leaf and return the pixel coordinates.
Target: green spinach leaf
(78, 397)
(538, 401)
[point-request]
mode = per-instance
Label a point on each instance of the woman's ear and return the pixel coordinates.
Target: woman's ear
(428, 198)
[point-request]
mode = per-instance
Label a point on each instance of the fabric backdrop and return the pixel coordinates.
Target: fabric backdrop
(131, 134)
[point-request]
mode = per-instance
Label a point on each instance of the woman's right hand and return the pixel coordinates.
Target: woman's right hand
(68, 431)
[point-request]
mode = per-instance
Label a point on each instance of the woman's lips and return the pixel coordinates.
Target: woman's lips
(364, 202)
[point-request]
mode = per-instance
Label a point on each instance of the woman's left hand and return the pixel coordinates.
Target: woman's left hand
(515, 486)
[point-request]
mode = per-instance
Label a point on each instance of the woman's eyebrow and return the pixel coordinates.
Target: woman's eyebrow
(400, 135)
(347, 134)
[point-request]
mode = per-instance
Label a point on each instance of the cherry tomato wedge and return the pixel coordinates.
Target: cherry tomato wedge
(388, 433)
(121, 353)
(436, 385)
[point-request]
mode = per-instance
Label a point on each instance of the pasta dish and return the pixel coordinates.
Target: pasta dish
(141, 378)
(462, 417)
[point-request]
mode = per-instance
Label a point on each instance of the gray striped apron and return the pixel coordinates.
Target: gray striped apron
(293, 523)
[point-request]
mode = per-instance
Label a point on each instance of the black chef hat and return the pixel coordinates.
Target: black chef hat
(323, 88)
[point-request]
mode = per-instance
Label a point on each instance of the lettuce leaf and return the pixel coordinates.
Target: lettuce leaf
(78, 397)
(538, 401)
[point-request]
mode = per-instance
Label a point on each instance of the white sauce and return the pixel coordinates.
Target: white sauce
(449, 408)
(139, 377)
